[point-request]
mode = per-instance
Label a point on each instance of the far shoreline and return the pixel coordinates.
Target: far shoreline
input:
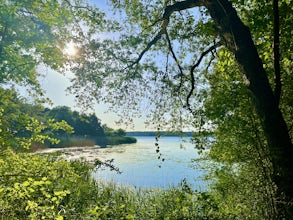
(86, 153)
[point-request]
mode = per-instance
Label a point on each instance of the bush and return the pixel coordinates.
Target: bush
(44, 187)
(115, 140)
(74, 142)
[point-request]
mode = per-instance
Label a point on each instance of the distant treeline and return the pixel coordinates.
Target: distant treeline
(162, 133)
(81, 129)
(87, 129)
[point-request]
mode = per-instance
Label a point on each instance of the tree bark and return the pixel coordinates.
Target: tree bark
(237, 38)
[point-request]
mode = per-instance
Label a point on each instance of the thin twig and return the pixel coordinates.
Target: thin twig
(178, 6)
(176, 60)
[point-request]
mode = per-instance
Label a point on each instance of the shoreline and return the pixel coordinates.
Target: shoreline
(87, 153)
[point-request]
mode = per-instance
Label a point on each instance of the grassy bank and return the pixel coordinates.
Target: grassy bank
(74, 141)
(45, 187)
(116, 140)
(50, 188)
(64, 143)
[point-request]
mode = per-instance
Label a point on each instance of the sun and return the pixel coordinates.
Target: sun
(70, 49)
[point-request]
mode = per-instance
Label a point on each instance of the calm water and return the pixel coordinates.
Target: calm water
(141, 167)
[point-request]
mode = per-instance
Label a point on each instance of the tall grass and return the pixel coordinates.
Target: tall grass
(118, 202)
(115, 140)
(45, 187)
(51, 188)
(65, 142)
(75, 142)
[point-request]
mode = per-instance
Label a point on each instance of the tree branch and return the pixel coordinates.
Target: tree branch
(211, 60)
(192, 78)
(108, 164)
(75, 19)
(178, 6)
(175, 58)
(149, 45)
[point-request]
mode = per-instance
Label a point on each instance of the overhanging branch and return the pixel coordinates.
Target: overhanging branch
(192, 78)
(175, 58)
(178, 6)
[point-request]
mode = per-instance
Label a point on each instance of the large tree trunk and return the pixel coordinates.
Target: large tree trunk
(237, 38)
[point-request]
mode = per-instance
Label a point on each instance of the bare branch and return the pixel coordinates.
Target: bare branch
(174, 57)
(149, 45)
(192, 78)
(178, 6)
(210, 62)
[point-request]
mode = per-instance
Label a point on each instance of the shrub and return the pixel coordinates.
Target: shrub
(115, 140)
(44, 187)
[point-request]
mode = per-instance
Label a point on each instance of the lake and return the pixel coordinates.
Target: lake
(141, 167)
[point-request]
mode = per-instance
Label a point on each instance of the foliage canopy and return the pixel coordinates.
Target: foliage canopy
(207, 65)
(216, 65)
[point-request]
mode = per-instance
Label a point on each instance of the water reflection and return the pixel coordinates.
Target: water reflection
(141, 167)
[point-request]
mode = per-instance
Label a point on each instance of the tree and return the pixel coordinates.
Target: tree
(20, 126)
(84, 125)
(34, 34)
(175, 29)
(244, 177)
(27, 38)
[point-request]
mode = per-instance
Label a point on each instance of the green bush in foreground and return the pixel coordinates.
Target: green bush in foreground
(38, 187)
(44, 187)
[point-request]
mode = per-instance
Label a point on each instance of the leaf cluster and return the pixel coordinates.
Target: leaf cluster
(21, 123)
(41, 187)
